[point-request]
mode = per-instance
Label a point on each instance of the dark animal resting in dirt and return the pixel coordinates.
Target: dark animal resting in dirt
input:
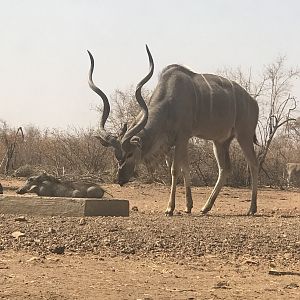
(47, 185)
(186, 104)
(293, 173)
(1, 189)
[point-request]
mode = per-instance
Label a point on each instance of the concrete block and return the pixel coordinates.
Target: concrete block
(59, 206)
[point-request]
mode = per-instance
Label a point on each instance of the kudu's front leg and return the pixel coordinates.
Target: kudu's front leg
(180, 163)
(174, 175)
(187, 183)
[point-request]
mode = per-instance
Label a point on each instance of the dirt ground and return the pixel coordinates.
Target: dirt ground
(222, 255)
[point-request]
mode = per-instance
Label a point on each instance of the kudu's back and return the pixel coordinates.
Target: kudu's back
(203, 105)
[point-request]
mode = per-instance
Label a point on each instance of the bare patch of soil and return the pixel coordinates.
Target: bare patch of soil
(222, 255)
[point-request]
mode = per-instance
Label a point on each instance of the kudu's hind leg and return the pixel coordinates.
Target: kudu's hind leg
(248, 149)
(221, 151)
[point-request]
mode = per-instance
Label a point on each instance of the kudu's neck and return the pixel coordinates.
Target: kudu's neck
(154, 138)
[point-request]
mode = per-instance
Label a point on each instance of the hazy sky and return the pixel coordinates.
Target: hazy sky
(44, 63)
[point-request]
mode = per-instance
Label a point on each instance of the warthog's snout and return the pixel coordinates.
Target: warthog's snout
(21, 191)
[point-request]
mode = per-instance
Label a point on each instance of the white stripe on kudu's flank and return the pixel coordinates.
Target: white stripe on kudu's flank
(222, 83)
(210, 94)
(233, 94)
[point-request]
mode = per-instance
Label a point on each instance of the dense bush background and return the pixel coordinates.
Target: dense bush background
(78, 153)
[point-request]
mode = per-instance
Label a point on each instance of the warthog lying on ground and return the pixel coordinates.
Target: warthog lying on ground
(47, 185)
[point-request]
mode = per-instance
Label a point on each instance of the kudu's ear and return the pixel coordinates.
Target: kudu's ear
(123, 130)
(114, 143)
(136, 140)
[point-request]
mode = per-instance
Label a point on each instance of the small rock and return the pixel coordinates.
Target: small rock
(134, 208)
(35, 259)
(222, 285)
(128, 250)
(113, 229)
(51, 230)
(52, 259)
(292, 285)
(250, 262)
(3, 266)
(58, 249)
(107, 242)
(82, 221)
(287, 256)
(17, 234)
(21, 219)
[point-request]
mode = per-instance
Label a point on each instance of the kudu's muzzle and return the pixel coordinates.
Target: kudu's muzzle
(121, 182)
(122, 178)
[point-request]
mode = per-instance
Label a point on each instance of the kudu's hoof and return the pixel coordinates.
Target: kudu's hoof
(251, 212)
(168, 213)
(204, 211)
(188, 210)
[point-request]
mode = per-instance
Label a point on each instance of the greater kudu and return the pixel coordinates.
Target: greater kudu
(185, 104)
(293, 173)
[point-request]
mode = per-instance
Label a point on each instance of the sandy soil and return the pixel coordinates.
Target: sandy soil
(222, 255)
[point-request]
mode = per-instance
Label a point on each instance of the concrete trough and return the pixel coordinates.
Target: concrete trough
(59, 206)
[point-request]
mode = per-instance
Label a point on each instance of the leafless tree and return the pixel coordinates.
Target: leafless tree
(10, 141)
(278, 104)
(273, 93)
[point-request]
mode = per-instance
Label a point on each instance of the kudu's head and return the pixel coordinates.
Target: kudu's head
(127, 145)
